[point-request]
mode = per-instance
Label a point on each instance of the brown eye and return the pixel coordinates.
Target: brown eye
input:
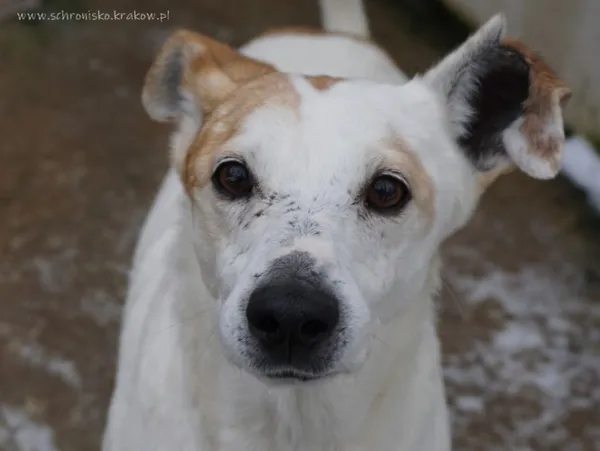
(233, 179)
(386, 193)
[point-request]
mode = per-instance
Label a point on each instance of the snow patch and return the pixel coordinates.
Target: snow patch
(55, 271)
(38, 357)
(469, 403)
(541, 362)
(19, 432)
(101, 307)
(517, 336)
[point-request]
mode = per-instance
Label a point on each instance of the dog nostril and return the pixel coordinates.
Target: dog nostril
(267, 325)
(313, 330)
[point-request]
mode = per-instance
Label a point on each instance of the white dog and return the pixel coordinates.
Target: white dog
(281, 293)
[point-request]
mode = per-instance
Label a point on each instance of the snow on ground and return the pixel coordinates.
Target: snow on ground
(541, 362)
(581, 164)
(19, 432)
(36, 356)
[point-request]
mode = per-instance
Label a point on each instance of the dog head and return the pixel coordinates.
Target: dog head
(319, 204)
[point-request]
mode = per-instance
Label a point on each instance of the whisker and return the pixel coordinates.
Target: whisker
(386, 346)
(210, 337)
(380, 340)
(183, 322)
(459, 304)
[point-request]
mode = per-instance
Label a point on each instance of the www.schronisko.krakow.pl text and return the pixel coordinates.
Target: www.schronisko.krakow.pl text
(94, 15)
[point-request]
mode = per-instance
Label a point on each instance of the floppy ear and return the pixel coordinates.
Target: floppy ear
(193, 73)
(504, 104)
(190, 76)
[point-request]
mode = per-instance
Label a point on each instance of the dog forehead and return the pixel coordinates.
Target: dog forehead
(349, 130)
(345, 119)
(329, 128)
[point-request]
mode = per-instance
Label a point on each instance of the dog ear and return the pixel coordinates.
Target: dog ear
(189, 78)
(192, 74)
(504, 104)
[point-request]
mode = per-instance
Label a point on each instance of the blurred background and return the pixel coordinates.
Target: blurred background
(80, 163)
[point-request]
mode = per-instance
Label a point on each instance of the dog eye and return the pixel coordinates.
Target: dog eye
(233, 179)
(387, 192)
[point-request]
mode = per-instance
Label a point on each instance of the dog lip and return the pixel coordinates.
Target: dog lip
(292, 375)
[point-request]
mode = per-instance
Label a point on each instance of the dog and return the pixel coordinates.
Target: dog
(281, 296)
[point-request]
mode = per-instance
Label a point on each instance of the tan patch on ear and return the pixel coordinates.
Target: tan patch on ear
(408, 163)
(224, 122)
(207, 70)
(485, 179)
(216, 69)
(544, 80)
(542, 112)
(323, 82)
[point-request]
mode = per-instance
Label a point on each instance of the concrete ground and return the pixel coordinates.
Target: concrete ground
(80, 163)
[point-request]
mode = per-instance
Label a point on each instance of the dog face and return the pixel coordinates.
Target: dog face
(319, 204)
(318, 207)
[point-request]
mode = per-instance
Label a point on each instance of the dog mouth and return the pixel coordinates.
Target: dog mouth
(290, 376)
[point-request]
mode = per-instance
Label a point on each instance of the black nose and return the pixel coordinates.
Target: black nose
(291, 318)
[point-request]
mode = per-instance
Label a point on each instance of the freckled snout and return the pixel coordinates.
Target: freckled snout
(292, 319)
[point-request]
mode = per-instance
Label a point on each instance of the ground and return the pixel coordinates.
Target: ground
(80, 163)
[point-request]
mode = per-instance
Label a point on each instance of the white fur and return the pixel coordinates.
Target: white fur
(185, 381)
(333, 55)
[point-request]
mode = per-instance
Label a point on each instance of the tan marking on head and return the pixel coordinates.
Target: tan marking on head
(542, 124)
(401, 156)
(323, 82)
(226, 119)
(293, 30)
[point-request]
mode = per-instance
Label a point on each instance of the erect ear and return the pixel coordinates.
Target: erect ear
(192, 74)
(504, 104)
